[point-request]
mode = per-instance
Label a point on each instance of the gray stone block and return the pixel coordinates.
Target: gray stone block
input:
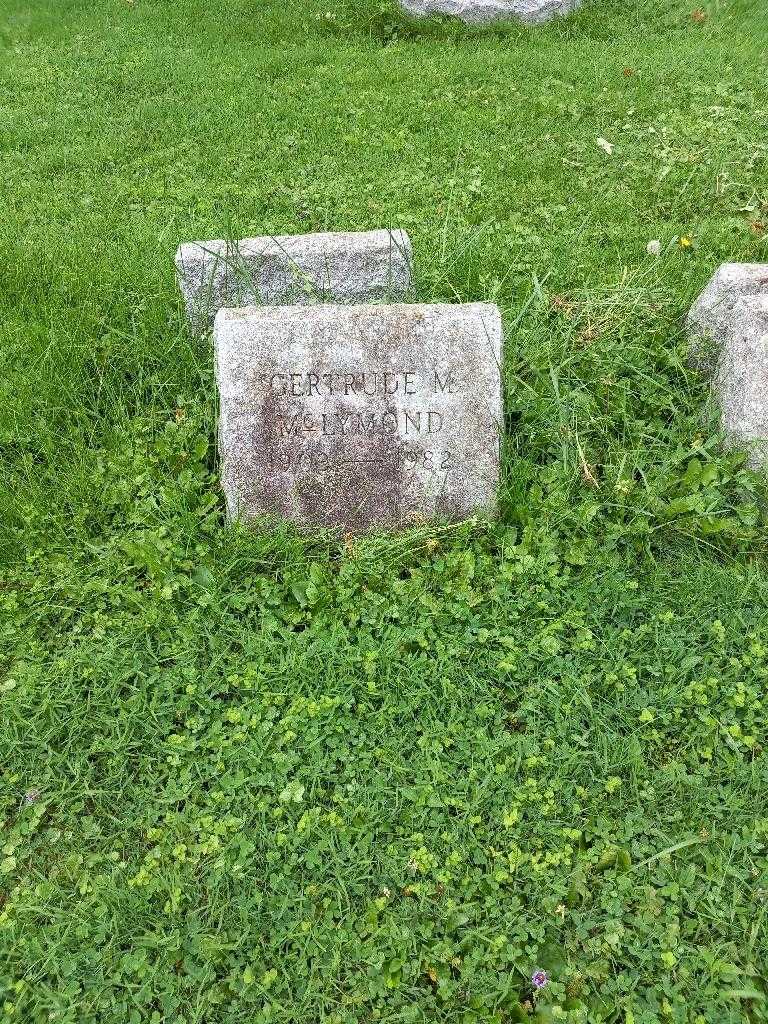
(361, 266)
(359, 417)
(483, 11)
(709, 321)
(740, 378)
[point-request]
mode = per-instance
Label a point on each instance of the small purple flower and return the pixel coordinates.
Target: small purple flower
(539, 978)
(31, 796)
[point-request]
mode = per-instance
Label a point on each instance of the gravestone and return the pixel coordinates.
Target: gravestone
(482, 11)
(728, 329)
(710, 317)
(359, 417)
(282, 270)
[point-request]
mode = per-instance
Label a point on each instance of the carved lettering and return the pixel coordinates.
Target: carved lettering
(316, 459)
(294, 426)
(366, 423)
(434, 422)
(368, 383)
(335, 426)
(413, 420)
(448, 384)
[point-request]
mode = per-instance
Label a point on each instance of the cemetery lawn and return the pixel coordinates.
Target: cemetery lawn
(264, 778)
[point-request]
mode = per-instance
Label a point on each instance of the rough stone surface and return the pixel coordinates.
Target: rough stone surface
(359, 417)
(740, 378)
(361, 266)
(710, 319)
(482, 11)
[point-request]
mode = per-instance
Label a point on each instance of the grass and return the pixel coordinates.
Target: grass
(269, 778)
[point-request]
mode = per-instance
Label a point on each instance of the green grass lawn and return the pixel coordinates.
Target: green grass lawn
(280, 780)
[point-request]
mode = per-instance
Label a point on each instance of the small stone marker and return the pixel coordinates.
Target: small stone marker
(295, 270)
(728, 327)
(710, 316)
(358, 417)
(483, 11)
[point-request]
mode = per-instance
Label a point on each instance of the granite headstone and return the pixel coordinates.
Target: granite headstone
(728, 331)
(296, 270)
(359, 417)
(482, 11)
(711, 315)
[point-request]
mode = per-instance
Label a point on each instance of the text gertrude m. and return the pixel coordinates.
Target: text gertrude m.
(374, 383)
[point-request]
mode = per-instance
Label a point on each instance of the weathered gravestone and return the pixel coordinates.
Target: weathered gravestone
(483, 11)
(728, 329)
(292, 270)
(357, 417)
(710, 319)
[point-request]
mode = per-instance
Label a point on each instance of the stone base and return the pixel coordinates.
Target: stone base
(481, 12)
